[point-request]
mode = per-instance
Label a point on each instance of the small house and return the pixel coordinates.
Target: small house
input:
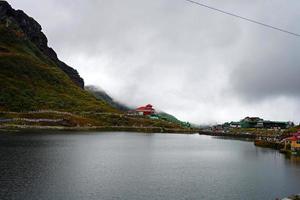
(235, 125)
(145, 110)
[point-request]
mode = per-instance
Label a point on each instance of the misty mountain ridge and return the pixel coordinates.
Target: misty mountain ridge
(100, 94)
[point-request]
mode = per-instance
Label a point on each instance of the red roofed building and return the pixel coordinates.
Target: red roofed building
(296, 134)
(145, 110)
(293, 143)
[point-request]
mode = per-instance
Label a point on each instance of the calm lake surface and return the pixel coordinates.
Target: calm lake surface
(131, 166)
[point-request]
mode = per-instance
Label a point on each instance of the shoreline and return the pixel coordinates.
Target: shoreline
(18, 128)
(229, 135)
(275, 145)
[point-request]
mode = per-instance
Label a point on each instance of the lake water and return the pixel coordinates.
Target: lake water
(68, 166)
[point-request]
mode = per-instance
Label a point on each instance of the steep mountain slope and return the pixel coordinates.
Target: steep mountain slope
(33, 32)
(102, 95)
(31, 76)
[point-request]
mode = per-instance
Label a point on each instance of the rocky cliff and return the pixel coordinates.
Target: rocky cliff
(31, 75)
(33, 32)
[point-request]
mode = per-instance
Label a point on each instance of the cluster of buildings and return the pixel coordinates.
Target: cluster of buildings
(256, 122)
(268, 133)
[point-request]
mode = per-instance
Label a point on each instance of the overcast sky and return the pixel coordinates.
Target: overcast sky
(195, 63)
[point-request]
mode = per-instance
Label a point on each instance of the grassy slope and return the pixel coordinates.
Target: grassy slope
(171, 118)
(86, 120)
(30, 81)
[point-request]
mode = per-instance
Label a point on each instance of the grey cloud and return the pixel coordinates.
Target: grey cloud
(269, 70)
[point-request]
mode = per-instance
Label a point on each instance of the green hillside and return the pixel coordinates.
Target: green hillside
(40, 91)
(31, 81)
(172, 119)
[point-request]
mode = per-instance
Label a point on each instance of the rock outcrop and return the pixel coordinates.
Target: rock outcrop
(33, 31)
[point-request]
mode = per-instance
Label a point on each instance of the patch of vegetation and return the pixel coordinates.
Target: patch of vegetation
(292, 130)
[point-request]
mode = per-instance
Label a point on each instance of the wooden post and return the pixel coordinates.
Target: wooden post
(285, 145)
(7, 23)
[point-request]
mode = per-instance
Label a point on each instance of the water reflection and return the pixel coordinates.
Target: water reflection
(233, 138)
(141, 166)
(293, 159)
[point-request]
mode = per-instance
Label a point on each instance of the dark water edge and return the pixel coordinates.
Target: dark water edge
(53, 129)
(85, 165)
